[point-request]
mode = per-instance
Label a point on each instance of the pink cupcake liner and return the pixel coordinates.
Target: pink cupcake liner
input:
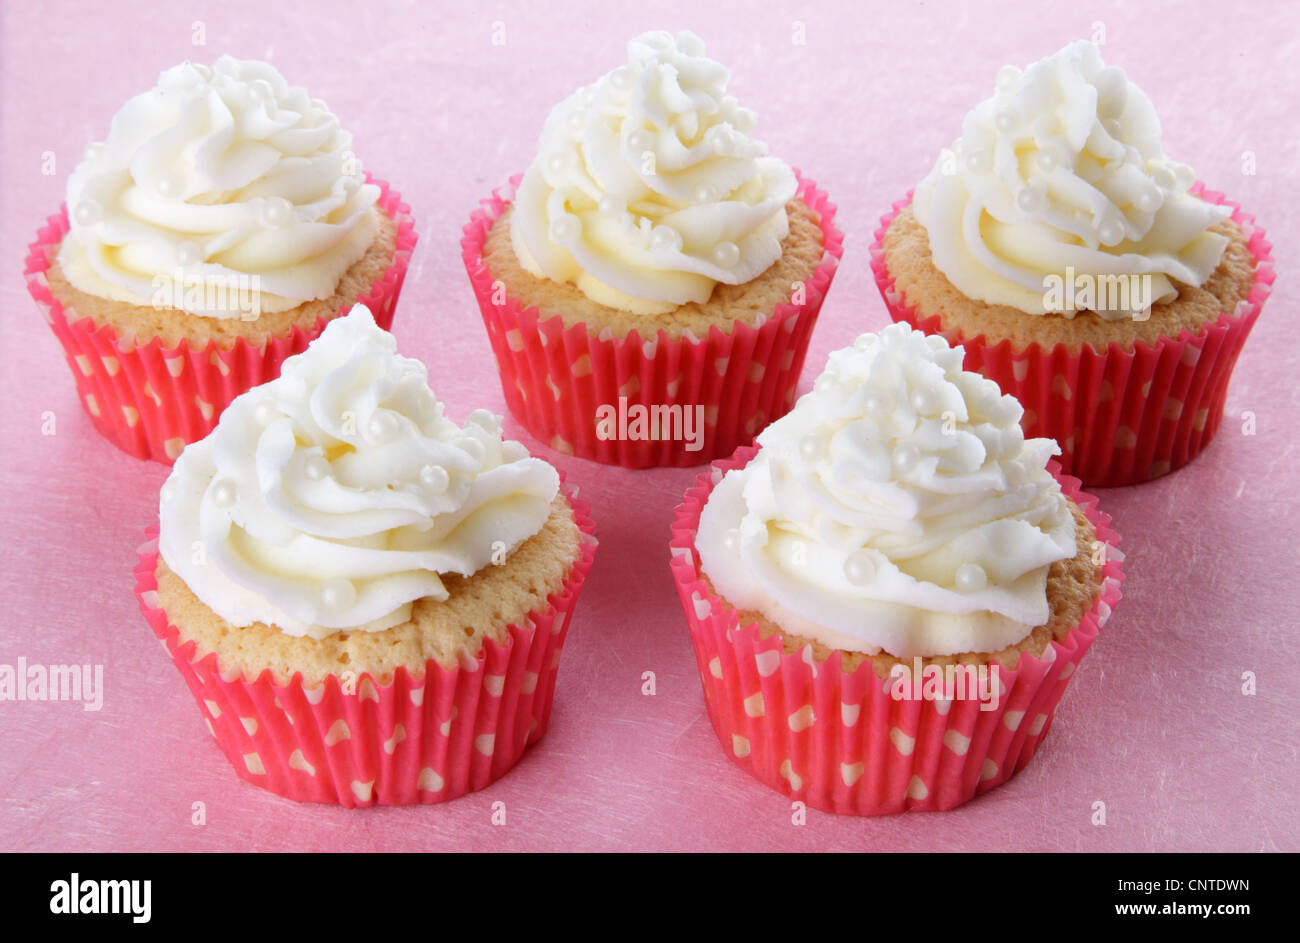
(1121, 417)
(410, 739)
(555, 379)
(150, 400)
(840, 742)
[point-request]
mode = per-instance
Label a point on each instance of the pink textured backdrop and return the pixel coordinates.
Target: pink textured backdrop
(1154, 725)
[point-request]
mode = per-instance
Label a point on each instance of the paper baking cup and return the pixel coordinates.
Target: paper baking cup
(1121, 417)
(555, 379)
(358, 742)
(840, 742)
(150, 400)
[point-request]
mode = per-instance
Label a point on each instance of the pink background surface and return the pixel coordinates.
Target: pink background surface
(1154, 724)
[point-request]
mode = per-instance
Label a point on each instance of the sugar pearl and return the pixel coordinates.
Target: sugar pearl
(721, 140)
(559, 162)
(435, 478)
(95, 151)
(1005, 121)
(664, 239)
(924, 401)
(338, 593)
(706, 193)
(383, 426)
(726, 254)
(906, 456)
(265, 412)
(316, 468)
(188, 253)
(621, 78)
(276, 212)
(971, 578)
(576, 121)
(88, 213)
(877, 401)
(611, 205)
(1030, 199)
(170, 186)
(565, 229)
(1149, 200)
(1111, 232)
(860, 568)
(812, 446)
(224, 493)
(977, 162)
(1007, 75)
(1047, 159)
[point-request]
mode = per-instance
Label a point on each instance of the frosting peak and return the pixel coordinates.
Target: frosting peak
(897, 507)
(332, 497)
(1060, 172)
(647, 189)
(216, 175)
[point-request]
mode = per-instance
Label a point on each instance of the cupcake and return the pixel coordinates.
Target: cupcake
(221, 225)
(1092, 277)
(650, 284)
(888, 594)
(367, 599)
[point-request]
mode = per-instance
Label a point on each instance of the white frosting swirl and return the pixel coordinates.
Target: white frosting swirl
(647, 189)
(1062, 173)
(332, 497)
(219, 174)
(897, 508)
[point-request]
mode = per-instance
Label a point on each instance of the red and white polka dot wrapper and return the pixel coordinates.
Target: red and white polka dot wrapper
(555, 379)
(362, 742)
(150, 400)
(841, 742)
(1120, 417)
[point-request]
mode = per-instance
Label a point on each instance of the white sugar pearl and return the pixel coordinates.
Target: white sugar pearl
(640, 141)
(977, 162)
(170, 186)
(338, 594)
(611, 205)
(1163, 177)
(1149, 200)
(812, 446)
(224, 493)
(726, 254)
(95, 151)
(664, 239)
(906, 456)
(1030, 199)
(1005, 121)
(188, 253)
(825, 384)
(565, 229)
(1007, 75)
(383, 426)
(706, 193)
(621, 78)
(1111, 233)
(859, 568)
(316, 468)
(88, 213)
(971, 578)
(731, 539)
(276, 212)
(721, 140)
(576, 121)
(877, 401)
(559, 162)
(435, 478)
(265, 412)
(1047, 159)
(471, 447)
(924, 401)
